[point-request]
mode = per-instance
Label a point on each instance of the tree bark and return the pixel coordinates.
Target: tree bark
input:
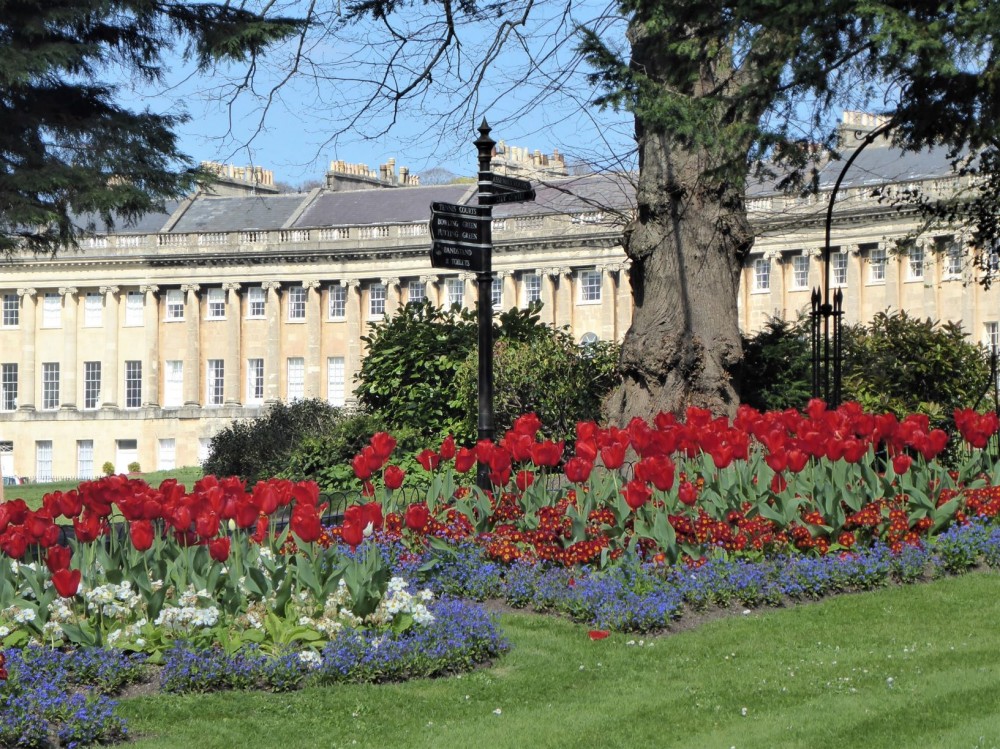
(687, 245)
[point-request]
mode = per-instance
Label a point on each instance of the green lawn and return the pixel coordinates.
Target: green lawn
(905, 667)
(33, 493)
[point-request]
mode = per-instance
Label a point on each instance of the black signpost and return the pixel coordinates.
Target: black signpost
(462, 240)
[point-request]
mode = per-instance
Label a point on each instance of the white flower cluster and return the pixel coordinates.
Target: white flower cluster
(179, 619)
(128, 633)
(399, 601)
(336, 613)
(310, 658)
(117, 601)
(18, 615)
(190, 613)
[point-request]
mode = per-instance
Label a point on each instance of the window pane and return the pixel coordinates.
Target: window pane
(133, 384)
(590, 286)
(91, 384)
(255, 381)
(8, 387)
(51, 311)
(85, 459)
(167, 457)
(376, 300)
(216, 304)
(92, 306)
(338, 302)
(43, 460)
(335, 380)
(11, 310)
(50, 385)
(175, 304)
(214, 382)
(255, 301)
(297, 303)
(134, 304)
(173, 384)
(532, 288)
(296, 378)
(416, 292)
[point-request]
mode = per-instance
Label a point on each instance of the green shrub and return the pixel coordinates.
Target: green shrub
(552, 376)
(255, 449)
(895, 363)
(108, 469)
(134, 467)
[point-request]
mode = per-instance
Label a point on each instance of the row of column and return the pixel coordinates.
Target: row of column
(556, 295)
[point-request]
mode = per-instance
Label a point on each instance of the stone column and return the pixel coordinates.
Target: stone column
(548, 279)
(234, 338)
(151, 326)
(109, 360)
(313, 366)
(854, 294)
(26, 384)
(352, 362)
(509, 299)
(564, 298)
(272, 362)
(430, 289)
(192, 363)
(67, 388)
(623, 313)
(392, 295)
(778, 285)
(470, 290)
(609, 302)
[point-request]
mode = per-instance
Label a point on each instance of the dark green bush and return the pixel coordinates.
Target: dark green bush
(256, 449)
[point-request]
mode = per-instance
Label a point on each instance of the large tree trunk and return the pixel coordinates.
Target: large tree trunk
(687, 245)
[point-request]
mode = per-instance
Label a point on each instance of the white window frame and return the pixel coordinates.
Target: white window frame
(455, 291)
(174, 311)
(256, 303)
(800, 271)
(93, 310)
(215, 382)
(133, 383)
(8, 386)
(838, 269)
(51, 311)
(43, 460)
(915, 262)
(11, 311)
(376, 301)
(761, 275)
(50, 386)
(166, 454)
(91, 385)
(878, 261)
(215, 304)
(335, 381)
(135, 304)
(255, 381)
(297, 303)
(531, 288)
(496, 292)
(85, 459)
(295, 380)
(173, 383)
(336, 306)
(952, 252)
(416, 292)
(590, 292)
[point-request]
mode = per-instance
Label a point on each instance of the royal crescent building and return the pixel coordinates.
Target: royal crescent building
(145, 341)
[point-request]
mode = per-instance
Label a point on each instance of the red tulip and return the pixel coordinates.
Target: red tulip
(465, 458)
(417, 516)
(206, 524)
(778, 483)
(14, 544)
(141, 532)
(524, 479)
(447, 450)
(636, 493)
(578, 469)
(901, 463)
(66, 582)
(393, 477)
(361, 468)
(305, 523)
(658, 470)
(687, 493)
(218, 548)
(547, 453)
(383, 445)
(87, 527)
(260, 532)
(57, 558)
(613, 456)
(429, 459)
(797, 460)
(528, 424)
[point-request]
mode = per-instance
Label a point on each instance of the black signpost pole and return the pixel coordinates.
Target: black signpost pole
(484, 278)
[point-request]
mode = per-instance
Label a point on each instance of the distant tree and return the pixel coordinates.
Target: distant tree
(67, 147)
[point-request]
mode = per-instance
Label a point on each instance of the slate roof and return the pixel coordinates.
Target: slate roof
(220, 214)
(150, 223)
(587, 193)
(401, 205)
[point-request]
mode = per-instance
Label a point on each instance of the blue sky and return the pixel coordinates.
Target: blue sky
(297, 138)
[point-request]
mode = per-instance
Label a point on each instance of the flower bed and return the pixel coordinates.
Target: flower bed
(765, 509)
